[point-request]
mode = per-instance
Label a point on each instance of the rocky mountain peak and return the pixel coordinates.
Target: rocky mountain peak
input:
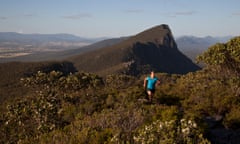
(160, 35)
(152, 49)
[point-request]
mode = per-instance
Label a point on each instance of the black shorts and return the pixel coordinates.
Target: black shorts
(152, 90)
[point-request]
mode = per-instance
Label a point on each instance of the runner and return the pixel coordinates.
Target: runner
(149, 84)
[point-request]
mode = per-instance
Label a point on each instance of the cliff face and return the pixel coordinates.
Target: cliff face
(152, 49)
(156, 49)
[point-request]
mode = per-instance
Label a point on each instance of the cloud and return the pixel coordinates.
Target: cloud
(135, 11)
(20, 31)
(78, 16)
(3, 18)
(236, 14)
(185, 13)
(182, 13)
(28, 15)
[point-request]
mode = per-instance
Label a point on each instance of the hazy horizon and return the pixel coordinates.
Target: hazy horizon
(102, 38)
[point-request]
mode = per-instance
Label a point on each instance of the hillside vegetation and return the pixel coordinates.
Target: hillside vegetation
(199, 107)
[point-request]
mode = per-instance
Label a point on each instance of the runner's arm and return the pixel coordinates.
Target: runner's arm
(158, 82)
(145, 82)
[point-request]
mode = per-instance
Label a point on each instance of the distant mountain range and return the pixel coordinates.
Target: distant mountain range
(192, 46)
(43, 38)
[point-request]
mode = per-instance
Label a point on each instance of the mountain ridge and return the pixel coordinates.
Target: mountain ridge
(138, 54)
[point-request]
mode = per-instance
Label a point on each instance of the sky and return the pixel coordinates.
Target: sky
(117, 18)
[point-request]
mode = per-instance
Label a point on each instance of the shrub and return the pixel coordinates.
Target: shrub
(173, 131)
(232, 119)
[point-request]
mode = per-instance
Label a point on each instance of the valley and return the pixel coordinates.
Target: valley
(15, 50)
